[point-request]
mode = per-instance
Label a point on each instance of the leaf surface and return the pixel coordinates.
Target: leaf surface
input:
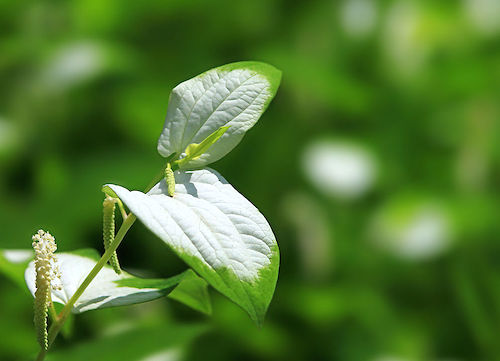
(107, 289)
(216, 231)
(233, 95)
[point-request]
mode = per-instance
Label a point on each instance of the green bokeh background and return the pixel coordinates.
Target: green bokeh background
(414, 84)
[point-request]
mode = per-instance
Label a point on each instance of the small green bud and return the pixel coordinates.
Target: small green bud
(108, 229)
(170, 179)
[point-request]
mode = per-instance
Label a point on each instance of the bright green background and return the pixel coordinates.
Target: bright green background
(83, 94)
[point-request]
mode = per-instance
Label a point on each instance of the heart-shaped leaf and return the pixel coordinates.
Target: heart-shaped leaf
(216, 231)
(233, 95)
(108, 289)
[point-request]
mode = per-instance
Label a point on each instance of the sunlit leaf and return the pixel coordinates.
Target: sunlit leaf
(107, 289)
(232, 95)
(216, 231)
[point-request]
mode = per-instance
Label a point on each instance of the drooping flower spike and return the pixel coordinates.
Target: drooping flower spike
(108, 229)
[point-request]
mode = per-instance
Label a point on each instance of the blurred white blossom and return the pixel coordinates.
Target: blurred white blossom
(484, 15)
(73, 64)
(17, 255)
(358, 17)
(339, 169)
(413, 228)
(166, 355)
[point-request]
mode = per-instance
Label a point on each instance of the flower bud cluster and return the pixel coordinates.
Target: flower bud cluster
(47, 271)
(47, 279)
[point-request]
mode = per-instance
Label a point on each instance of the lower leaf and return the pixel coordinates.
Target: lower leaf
(216, 231)
(109, 289)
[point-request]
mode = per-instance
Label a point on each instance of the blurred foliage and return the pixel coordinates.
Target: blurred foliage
(406, 270)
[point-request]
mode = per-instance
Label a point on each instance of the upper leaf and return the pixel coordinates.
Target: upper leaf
(232, 95)
(107, 289)
(215, 230)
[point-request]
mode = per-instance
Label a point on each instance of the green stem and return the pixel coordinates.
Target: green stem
(155, 180)
(41, 355)
(123, 212)
(61, 318)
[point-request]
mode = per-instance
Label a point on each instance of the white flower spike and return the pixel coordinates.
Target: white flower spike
(47, 277)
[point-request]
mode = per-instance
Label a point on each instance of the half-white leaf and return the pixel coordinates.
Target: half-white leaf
(216, 231)
(107, 289)
(233, 95)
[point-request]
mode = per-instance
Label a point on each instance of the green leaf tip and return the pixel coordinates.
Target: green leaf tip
(272, 74)
(194, 150)
(108, 191)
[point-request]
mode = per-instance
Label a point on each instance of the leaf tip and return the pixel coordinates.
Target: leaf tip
(106, 189)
